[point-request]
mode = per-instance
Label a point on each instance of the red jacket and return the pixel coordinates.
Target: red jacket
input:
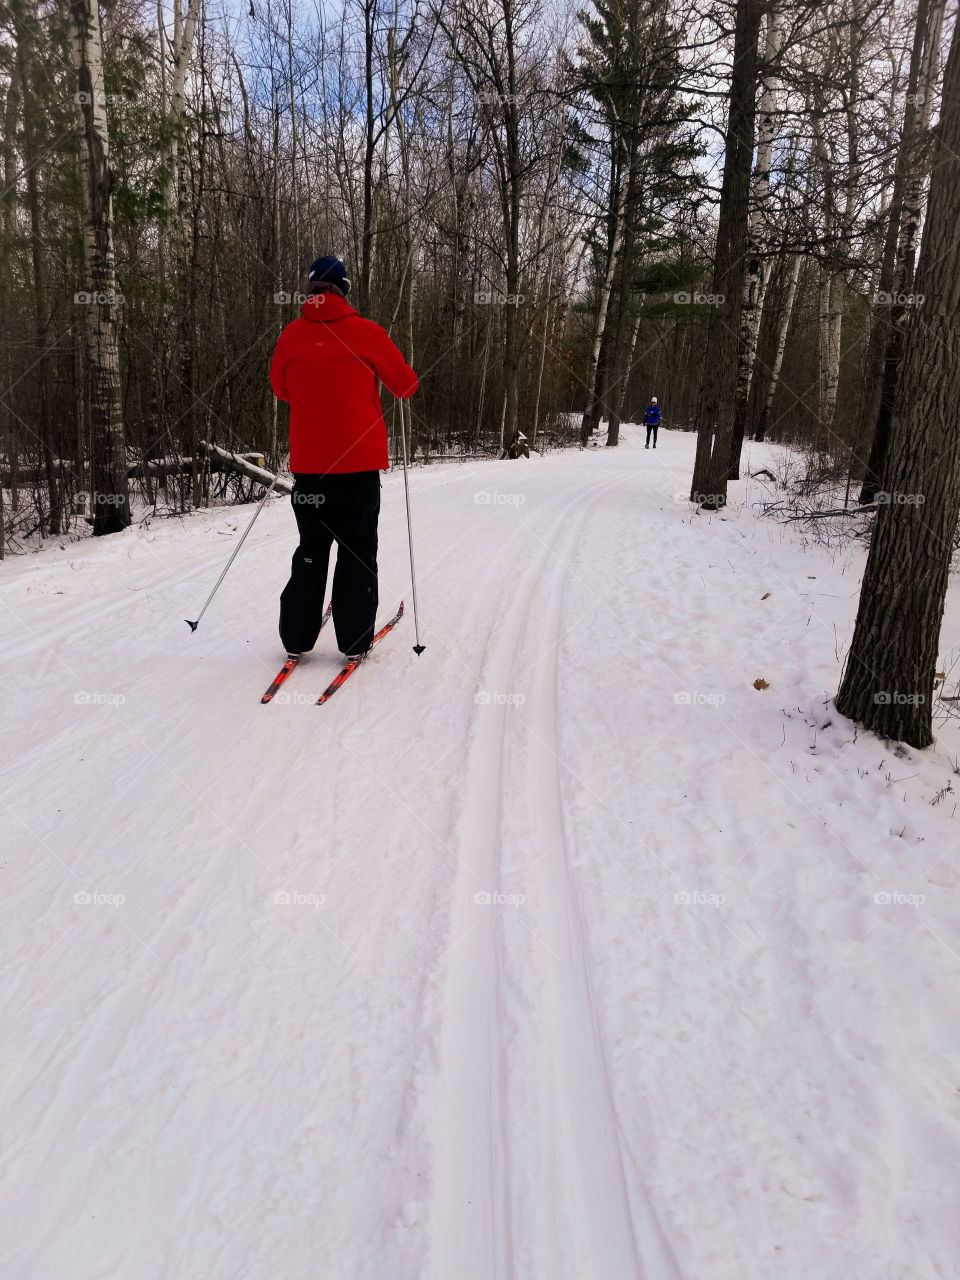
(326, 366)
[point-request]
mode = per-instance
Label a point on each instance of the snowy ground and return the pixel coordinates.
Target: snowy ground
(559, 953)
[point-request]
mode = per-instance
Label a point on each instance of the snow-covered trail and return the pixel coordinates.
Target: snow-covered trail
(580, 1213)
(560, 952)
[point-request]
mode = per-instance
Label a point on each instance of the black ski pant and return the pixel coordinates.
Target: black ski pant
(654, 427)
(341, 509)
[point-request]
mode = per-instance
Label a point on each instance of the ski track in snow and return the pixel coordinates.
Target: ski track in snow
(682, 1042)
(474, 1210)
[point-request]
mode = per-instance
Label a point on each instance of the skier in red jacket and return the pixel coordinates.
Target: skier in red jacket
(326, 366)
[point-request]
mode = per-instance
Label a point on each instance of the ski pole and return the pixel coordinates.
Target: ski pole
(216, 586)
(418, 648)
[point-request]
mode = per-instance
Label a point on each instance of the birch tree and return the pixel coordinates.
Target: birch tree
(175, 55)
(109, 489)
(759, 261)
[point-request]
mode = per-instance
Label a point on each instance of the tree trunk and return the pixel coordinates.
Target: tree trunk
(110, 496)
(894, 179)
(172, 109)
(844, 220)
(591, 414)
(369, 153)
(616, 407)
(553, 175)
(718, 398)
(294, 182)
(512, 216)
(783, 327)
(830, 315)
(829, 285)
(916, 169)
(622, 343)
(758, 265)
(7, 229)
(889, 676)
(32, 160)
(11, 110)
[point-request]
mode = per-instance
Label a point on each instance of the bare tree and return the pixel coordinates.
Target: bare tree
(110, 494)
(444, 150)
(718, 394)
(905, 217)
(889, 677)
(759, 260)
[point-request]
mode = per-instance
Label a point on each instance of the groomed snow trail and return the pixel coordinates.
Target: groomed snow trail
(562, 952)
(583, 1217)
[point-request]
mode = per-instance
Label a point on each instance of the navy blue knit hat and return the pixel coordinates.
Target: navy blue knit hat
(330, 271)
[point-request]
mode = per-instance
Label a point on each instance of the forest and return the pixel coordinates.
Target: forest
(479, 495)
(556, 214)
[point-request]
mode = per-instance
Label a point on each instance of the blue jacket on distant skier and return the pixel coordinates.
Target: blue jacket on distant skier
(652, 415)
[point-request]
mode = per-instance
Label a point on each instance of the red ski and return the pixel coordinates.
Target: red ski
(349, 668)
(289, 665)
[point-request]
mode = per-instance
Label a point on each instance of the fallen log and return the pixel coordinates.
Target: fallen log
(32, 474)
(238, 462)
(184, 466)
(216, 460)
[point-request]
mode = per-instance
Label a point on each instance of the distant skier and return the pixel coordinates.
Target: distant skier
(652, 419)
(326, 365)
